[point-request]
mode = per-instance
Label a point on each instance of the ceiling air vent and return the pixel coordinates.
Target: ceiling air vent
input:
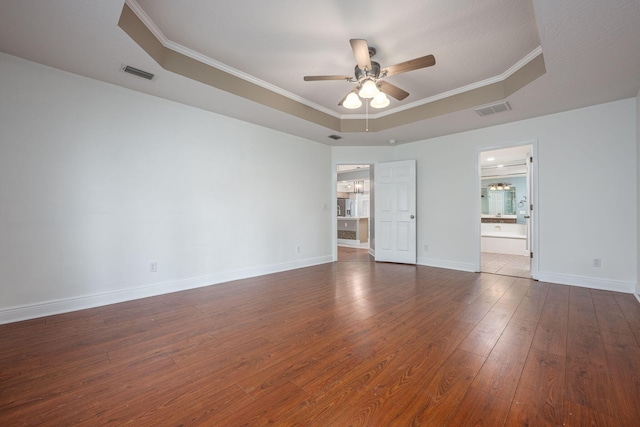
(335, 137)
(136, 72)
(493, 109)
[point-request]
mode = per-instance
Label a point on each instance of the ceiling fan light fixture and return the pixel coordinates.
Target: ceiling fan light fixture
(380, 100)
(352, 101)
(369, 89)
(368, 75)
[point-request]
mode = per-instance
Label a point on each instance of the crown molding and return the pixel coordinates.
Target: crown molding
(188, 63)
(176, 47)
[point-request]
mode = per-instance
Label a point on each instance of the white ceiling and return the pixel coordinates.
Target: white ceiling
(279, 42)
(591, 50)
(505, 156)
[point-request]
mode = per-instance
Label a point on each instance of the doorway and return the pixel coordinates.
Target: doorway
(354, 206)
(506, 226)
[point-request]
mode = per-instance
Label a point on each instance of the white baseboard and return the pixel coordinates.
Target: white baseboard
(353, 244)
(451, 265)
(587, 282)
(48, 308)
(561, 279)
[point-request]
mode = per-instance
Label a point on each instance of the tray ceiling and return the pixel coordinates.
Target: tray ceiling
(542, 57)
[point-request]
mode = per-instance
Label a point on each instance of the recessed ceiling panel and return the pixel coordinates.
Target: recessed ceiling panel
(280, 42)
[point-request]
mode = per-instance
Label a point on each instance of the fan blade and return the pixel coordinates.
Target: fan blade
(392, 90)
(361, 52)
(319, 78)
(414, 64)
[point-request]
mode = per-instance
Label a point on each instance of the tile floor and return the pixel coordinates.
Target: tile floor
(508, 265)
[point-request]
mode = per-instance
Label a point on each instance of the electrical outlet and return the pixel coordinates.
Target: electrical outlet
(298, 249)
(426, 248)
(153, 267)
(597, 262)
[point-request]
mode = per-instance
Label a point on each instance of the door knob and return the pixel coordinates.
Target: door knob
(527, 217)
(412, 217)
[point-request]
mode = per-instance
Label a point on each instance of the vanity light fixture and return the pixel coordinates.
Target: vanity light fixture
(500, 186)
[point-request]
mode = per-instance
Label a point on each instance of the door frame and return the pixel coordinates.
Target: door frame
(535, 229)
(334, 201)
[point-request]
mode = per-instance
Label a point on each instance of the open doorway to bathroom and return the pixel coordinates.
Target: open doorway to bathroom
(505, 217)
(354, 212)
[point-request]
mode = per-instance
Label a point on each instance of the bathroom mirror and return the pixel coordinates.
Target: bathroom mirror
(498, 201)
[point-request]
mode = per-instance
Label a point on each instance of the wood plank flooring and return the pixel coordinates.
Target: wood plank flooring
(353, 343)
(348, 254)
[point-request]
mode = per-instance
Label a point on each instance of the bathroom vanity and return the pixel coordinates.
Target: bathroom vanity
(499, 219)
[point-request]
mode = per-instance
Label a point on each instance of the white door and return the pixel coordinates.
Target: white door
(395, 210)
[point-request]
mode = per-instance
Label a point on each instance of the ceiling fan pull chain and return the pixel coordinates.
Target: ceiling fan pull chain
(366, 116)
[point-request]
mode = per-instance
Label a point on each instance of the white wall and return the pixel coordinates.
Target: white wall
(586, 186)
(97, 181)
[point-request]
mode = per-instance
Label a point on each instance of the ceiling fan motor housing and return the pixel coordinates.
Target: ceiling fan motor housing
(373, 73)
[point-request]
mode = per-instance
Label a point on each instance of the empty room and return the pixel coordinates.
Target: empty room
(320, 213)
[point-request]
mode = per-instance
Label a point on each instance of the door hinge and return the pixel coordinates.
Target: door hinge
(531, 207)
(531, 255)
(531, 159)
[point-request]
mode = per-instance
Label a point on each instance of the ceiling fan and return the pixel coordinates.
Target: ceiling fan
(369, 77)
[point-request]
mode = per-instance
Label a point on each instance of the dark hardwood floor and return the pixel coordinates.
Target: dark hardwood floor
(341, 344)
